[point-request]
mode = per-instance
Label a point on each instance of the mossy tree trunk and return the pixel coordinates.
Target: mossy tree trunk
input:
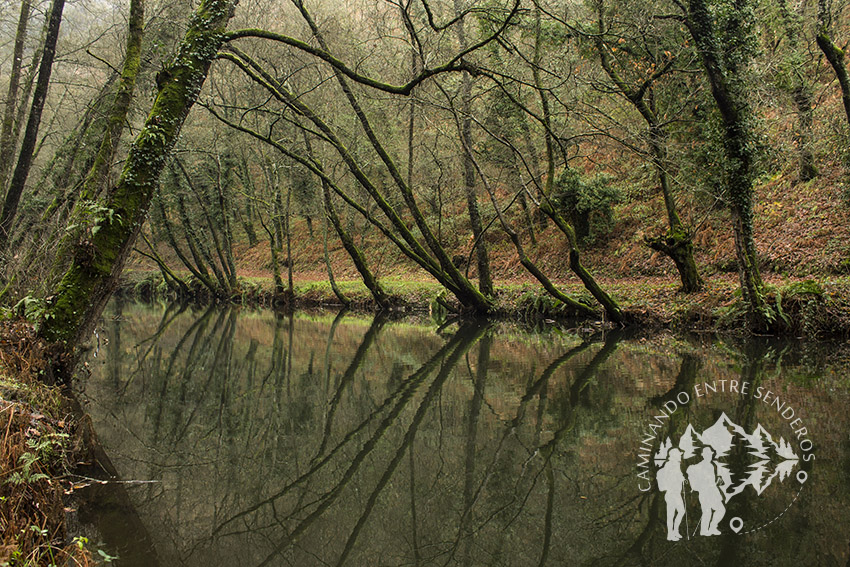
(799, 85)
(612, 309)
(97, 263)
(110, 134)
(834, 54)
(724, 60)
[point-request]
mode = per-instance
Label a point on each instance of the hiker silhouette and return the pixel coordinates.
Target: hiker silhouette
(670, 481)
(703, 480)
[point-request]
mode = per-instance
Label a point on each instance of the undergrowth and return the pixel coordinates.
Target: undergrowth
(37, 439)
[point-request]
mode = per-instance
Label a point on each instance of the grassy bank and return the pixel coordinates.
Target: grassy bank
(38, 448)
(811, 308)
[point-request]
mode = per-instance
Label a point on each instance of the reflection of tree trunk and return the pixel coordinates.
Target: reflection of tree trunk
(115, 352)
(684, 382)
(752, 371)
(348, 376)
(446, 358)
(550, 506)
(581, 382)
(532, 391)
(469, 335)
(328, 346)
(475, 403)
(414, 532)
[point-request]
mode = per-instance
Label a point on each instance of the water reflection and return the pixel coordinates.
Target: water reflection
(316, 440)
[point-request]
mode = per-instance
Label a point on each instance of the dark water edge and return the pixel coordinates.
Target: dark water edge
(269, 439)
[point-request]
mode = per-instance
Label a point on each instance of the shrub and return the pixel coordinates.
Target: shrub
(588, 202)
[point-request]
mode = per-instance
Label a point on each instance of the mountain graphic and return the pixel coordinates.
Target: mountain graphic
(740, 459)
(761, 444)
(724, 435)
(690, 443)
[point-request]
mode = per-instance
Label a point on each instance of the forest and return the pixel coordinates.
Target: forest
(585, 159)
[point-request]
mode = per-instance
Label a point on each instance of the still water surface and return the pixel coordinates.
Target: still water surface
(342, 440)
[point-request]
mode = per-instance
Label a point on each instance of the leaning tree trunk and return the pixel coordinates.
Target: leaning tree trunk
(22, 169)
(96, 176)
(612, 308)
(834, 54)
(369, 279)
(94, 271)
(677, 243)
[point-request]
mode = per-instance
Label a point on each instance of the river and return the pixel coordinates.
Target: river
(250, 438)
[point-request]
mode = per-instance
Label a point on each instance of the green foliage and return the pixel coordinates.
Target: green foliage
(587, 201)
(40, 450)
(91, 216)
(806, 287)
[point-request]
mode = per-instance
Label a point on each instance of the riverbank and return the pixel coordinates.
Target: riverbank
(40, 445)
(810, 308)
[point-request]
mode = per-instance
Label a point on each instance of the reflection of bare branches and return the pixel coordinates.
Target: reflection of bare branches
(472, 435)
(471, 336)
(400, 398)
(164, 323)
(448, 357)
(414, 531)
(684, 380)
(532, 391)
(547, 522)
